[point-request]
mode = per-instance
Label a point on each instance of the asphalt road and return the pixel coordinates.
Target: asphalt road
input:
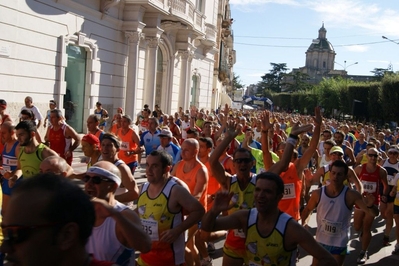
(379, 255)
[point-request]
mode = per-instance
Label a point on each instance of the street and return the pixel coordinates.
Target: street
(379, 255)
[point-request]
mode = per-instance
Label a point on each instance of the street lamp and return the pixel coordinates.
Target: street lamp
(390, 40)
(346, 66)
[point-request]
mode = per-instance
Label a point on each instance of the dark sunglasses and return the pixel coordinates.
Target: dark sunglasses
(393, 153)
(337, 153)
(242, 160)
(16, 234)
(373, 155)
(95, 179)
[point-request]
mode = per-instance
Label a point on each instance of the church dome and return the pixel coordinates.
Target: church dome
(321, 43)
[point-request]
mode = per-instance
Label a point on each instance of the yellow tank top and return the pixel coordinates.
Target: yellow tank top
(396, 202)
(326, 177)
(267, 250)
(30, 162)
(156, 218)
(243, 200)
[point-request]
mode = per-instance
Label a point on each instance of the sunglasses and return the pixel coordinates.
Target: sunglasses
(95, 179)
(242, 160)
(337, 153)
(16, 234)
(372, 155)
(393, 153)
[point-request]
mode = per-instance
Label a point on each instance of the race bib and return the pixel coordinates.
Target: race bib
(331, 228)
(239, 233)
(390, 179)
(125, 146)
(251, 263)
(369, 187)
(289, 191)
(151, 228)
(98, 116)
(10, 162)
(261, 170)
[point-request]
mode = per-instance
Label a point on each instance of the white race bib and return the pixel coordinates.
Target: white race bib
(151, 228)
(125, 146)
(10, 162)
(289, 191)
(331, 228)
(369, 187)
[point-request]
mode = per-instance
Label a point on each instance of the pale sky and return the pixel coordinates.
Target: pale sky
(280, 31)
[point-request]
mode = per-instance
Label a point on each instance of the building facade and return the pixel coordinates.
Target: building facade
(123, 53)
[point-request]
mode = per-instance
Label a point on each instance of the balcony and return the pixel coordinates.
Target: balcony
(226, 23)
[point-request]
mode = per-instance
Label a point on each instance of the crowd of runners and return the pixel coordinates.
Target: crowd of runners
(253, 178)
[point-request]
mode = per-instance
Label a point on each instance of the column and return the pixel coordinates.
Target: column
(184, 91)
(150, 71)
(132, 72)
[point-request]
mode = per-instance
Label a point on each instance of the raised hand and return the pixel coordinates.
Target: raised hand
(231, 128)
(298, 129)
(222, 201)
(265, 120)
(318, 119)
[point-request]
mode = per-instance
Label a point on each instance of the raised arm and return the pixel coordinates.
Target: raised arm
(281, 165)
(266, 126)
(217, 169)
(308, 154)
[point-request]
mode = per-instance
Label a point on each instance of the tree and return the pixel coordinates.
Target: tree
(379, 73)
(273, 80)
(297, 81)
(237, 83)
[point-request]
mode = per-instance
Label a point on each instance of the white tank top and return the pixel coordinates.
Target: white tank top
(104, 245)
(333, 219)
(323, 161)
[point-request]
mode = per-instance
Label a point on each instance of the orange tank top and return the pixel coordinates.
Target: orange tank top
(190, 179)
(127, 144)
(292, 192)
(213, 184)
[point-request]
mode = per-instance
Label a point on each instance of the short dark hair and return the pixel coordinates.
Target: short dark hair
(28, 113)
(340, 132)
(27, 125)
(340, 164)
(207, 140)
(243, 151)
(67, 202)
(275, 178)
(165, 158)
(112, 138)
(193, 131)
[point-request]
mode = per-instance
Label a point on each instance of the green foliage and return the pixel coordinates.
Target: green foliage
(273, 80)
(375, 101)
(390, 96)
(237, 83)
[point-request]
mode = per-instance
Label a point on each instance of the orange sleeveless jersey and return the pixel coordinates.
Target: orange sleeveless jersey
(190, 179)
(213, 184)
(292, 192)
(127, 144)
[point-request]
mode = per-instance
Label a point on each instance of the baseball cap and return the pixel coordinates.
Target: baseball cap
(166, 133)
(91, 139)
(336, 149)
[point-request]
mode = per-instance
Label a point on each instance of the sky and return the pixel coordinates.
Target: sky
(280, 31)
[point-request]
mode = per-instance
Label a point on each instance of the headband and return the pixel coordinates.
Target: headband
(105, 173)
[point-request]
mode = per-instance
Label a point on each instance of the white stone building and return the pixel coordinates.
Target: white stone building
(123, 53)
